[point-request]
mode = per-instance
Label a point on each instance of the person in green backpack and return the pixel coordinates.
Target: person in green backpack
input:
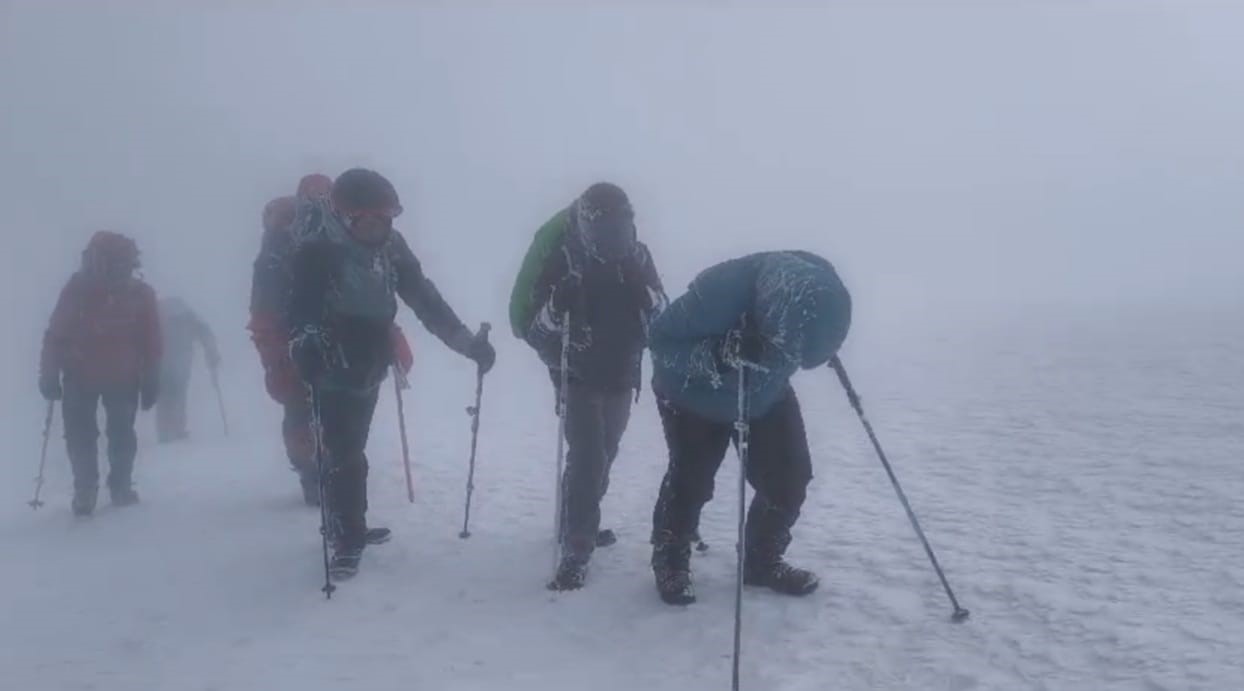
(587, 271)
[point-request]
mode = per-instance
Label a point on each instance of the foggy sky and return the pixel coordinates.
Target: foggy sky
(996, 154)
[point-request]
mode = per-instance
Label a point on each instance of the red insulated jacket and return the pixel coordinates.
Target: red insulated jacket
(103, 335)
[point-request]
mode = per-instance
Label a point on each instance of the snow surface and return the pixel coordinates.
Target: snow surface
(1079, 479)
(1078, 470)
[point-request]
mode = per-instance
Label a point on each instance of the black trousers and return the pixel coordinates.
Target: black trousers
(297, 433)
(345, 421)
(595, 423)
(779, 470)
(80, 410)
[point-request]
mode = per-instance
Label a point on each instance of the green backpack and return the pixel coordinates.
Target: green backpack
(522, 301)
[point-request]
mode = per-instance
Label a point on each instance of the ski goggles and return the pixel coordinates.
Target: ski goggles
(378, 214)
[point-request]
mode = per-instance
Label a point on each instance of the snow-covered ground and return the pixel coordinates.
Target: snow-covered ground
(1078, 470)
(1078, 474)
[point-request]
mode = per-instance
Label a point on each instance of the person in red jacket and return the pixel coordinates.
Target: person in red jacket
(270, 334)
(103, 343)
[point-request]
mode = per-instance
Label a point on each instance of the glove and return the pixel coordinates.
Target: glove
(403, 357)
(50, 387)
(482, 352)
(149, 390)
(309, 351)
(566, 295)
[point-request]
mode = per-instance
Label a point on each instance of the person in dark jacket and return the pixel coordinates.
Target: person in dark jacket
(349, 270)
(782, 312)
(103, 344)
(603, 280)
(182, 330)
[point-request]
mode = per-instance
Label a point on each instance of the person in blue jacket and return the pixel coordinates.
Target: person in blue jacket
(782, 312)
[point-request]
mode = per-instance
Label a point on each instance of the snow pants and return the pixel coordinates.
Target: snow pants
(595, 422)
(779, 470)
(345, 421)
(80, 410)
(171, 406)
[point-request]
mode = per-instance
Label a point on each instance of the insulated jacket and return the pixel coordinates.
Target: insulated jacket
(346, 292)
(103, 335)
(610, 306)
(781, 310)
(271, 285)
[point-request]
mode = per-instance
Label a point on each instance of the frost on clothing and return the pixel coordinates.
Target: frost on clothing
(781, 310)
(344, 296)
(610, 305)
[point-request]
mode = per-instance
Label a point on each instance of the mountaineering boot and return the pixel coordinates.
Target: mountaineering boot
(123, 496)
(345, 563)
(84, 501)
(671, 567)
(571, 574)
(781, 577)
(377, 536)
(700, 544)
(605, 538)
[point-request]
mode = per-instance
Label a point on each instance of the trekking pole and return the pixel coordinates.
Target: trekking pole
(743, 430)
(220, 400)
(562, 395)
(43, 456)
(473, 411)
(318, 430)
(398, 380)
(959, 613)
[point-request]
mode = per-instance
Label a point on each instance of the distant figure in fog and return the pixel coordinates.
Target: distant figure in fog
(182, 329)
(103, 343)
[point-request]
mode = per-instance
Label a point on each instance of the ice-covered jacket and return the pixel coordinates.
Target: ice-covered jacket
(610, 305)
(781, 310)
(346, 292)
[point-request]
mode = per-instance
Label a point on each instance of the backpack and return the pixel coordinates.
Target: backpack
(547, 240)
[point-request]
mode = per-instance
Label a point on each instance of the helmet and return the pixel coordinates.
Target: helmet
(110, 254)
(606, 222)
(314, 185)
(279, 213)
(359, 190)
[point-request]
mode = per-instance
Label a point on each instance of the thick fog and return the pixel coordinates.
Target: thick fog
(1030, 166)
(1007, 153)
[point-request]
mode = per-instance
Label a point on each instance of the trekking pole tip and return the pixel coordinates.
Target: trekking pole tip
(464, 534)
(960, 615)
(35, 504)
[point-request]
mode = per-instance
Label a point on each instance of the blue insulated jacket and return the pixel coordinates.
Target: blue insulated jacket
(786, 310)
